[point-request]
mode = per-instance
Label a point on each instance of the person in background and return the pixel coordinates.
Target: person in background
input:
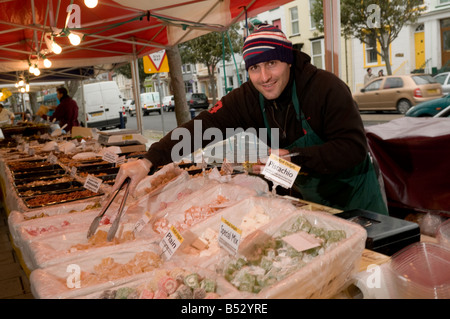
(314, 113)
(6, 116)
(380, 73)
(369, 76)
(66, 112)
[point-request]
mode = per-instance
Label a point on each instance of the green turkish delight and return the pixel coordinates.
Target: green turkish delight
(191, 281)
(208, 285)
(122, 293)
(274, 259)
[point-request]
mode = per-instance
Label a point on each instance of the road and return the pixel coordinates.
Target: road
(154, 121)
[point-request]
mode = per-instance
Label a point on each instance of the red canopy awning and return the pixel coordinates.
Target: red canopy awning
(114, 31)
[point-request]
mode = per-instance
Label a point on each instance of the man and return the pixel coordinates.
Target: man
(67, 110)
(369, 76)
(316, 117)
(6, 116)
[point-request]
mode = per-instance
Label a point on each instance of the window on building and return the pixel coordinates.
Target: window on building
(230, 82)
(317, 53)
(277, 23)
(444, 1)
(311, 20)
(371, 50)
(188, 86)
(295, 28)
(187, 68)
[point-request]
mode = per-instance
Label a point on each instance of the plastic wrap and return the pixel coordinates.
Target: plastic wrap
(65, 233)
(323, 275)
(196, 207)
(61, 280)
(152, 285)
(167, 177)
(18, 218)
(248, 215)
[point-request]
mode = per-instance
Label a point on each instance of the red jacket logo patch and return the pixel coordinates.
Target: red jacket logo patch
(216, 107)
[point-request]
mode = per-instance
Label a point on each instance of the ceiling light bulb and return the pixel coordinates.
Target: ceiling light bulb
(27, 88)
(74, 39)
(56, 48)
(91, 3)
(17, 84)
(31, 69)
(47, 63)
(21, 83)
(37, 72)
(22, 89)
(51, 44)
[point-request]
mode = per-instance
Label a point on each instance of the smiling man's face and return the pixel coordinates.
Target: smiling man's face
(270, 78)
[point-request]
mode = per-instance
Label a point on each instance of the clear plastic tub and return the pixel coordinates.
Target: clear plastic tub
(421, 271)
(443, 234)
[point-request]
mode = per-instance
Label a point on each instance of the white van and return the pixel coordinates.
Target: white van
(102, 106)
(150, 103)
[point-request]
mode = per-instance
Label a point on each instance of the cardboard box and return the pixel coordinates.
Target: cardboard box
(81, 131)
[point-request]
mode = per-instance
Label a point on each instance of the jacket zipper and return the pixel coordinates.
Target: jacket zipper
(283, 129)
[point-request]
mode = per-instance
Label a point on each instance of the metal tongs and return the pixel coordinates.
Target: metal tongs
(113, 229)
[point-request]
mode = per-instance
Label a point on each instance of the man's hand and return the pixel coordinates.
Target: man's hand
(136, 171)
(257, 169)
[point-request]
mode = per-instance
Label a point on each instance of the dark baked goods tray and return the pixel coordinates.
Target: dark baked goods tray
(97, 172)
(59, 198)
(94, 167)
(38, 174)
(51, 188)
(25, 181)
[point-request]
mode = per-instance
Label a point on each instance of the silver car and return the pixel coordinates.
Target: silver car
(444, 79)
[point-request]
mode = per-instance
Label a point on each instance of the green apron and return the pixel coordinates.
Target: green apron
(353, 188)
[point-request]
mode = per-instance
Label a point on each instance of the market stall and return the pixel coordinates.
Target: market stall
(190, 199)
(282, 248)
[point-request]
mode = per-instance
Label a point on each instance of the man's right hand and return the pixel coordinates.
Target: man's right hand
(135, 170)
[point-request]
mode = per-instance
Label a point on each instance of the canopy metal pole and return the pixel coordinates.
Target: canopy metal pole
(160, 103)
(136, 89)
(83, 104)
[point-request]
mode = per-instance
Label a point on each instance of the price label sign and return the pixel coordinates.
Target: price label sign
(93, 183)
(52, 158)
(127, 137)
(229, 236)
(142, 222)
(280, 171)
(171, 241)
(120, 160)
(73, 171)
(110, 157)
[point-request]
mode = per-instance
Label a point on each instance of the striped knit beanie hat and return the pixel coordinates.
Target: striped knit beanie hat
(267, 43)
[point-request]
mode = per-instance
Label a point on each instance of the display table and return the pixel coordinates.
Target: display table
(46, 244)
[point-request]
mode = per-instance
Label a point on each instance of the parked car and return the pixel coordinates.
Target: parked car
(397, 92)
(127, 104)
(429, 108)
(197, 100)
(168, 103)
(444, 80)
